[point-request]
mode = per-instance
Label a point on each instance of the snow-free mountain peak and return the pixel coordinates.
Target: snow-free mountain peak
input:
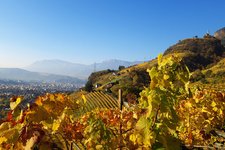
(75, 69)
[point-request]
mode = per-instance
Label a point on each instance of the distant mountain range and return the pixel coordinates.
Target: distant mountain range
(74, 69)
(59, 71)
(28, 76)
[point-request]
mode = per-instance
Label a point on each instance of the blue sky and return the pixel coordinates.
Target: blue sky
(88, 31)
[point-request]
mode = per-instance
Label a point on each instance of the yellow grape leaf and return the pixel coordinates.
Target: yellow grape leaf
(139, 138)
(149, 108)
(208, 121)
(133, 138)
(129, 124)
(221, 112)
(135, 115)
(51, 97)
(2, 140)
(60, 97)
(147, 138)
(98, 146)
(166, 115)
(160, 59)
(196, 100)
(28, 106)
(56, 123)
(215, 108)
(204, 109)
(13, 105)
(55, 126)
(142, 123)
(165, 77)
(213, 104)
(18, 100)
(84, 99)
(38, 101)
(4, 126)
(188, 105)
(158, 125)
(32, 141)
(46, 125)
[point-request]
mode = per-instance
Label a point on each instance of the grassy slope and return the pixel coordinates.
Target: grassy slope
(220, 66)
(214, 77)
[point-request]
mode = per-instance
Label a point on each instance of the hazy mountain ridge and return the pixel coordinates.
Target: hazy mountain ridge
(28, 76)
(75, 69)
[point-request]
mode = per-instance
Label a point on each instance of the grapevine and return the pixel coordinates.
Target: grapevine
(201, 116)
(169, 114)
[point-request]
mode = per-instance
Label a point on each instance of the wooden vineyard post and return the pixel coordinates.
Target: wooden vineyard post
(120, 102)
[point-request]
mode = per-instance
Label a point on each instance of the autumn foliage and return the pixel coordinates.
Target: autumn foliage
(169, 115)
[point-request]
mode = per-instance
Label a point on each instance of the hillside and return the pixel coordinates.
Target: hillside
(199, 52)
(212, 77)
(196, 53)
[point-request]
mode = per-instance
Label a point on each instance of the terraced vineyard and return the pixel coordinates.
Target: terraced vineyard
(96, 100)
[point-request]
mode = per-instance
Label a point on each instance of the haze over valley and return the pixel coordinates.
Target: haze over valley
(75, 69)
